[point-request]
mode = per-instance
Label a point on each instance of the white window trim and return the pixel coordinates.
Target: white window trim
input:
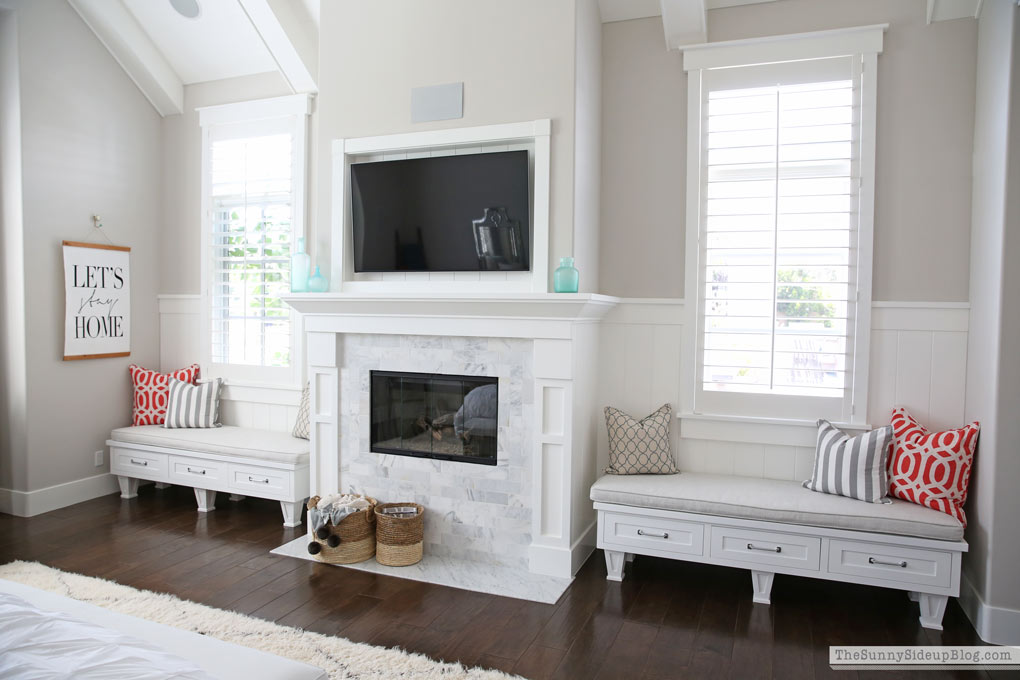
(863, 41)
(298, 107)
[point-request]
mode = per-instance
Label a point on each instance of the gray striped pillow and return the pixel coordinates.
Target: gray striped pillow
(851, 466)
(193, 405)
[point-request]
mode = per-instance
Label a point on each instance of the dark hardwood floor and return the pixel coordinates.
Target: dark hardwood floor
(666, 620)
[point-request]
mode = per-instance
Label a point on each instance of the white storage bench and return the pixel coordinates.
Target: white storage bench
(238, 460)
(771, 526)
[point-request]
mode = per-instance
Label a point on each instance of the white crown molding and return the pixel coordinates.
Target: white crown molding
(256, 109)
(792, 47)
(134, 50)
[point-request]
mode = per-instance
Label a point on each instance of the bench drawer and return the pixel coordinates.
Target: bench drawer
(138, 464)
(766, 548)
(632, 533)
(197, 472)
(891, 563)
(261, 482)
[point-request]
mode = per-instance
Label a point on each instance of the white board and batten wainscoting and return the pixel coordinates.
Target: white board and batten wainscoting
(918, 360)
(262, 406)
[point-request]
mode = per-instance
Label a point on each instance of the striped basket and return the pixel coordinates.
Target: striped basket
(355, 531)
(399, 539)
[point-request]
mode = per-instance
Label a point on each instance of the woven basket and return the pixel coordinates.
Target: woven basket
(357, 536)
(399, 539)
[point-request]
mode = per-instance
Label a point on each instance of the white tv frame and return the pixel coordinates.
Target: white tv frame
(533, 136)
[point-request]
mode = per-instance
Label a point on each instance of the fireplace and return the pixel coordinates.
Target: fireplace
(429, 415)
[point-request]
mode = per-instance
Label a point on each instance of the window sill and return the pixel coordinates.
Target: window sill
(755, 430)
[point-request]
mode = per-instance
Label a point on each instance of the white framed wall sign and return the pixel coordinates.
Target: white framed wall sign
(97, 301)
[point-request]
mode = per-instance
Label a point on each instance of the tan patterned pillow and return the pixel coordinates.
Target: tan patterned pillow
(640, 447)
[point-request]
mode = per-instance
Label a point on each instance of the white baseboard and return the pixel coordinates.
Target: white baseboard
(552, 560)
(583, 547)
(997, 625)
(31, 503)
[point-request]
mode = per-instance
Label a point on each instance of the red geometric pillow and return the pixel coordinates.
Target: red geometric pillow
(151, 391)
(931, 469)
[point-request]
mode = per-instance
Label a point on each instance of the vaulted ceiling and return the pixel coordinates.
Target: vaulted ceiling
(164, 45)
(167, 44)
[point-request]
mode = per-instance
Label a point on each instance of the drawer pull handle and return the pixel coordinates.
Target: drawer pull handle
(139, 462)
(195, 472)
(642, 532)
(258, 481)
(902, 563)
(777, 549)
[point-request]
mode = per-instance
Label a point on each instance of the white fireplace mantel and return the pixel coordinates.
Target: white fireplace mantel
(506, 315)
(563, 329)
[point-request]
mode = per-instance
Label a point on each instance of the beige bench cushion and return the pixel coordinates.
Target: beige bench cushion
(228, 440)
(773, 500)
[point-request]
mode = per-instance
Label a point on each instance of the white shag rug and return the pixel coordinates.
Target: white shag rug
(340, 658)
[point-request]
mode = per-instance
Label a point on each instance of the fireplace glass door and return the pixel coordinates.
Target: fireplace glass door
(449, 417)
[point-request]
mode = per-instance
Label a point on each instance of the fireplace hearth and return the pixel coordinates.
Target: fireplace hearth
(428, 415)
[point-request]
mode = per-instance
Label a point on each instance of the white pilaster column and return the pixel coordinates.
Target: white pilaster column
(324, 360)
(551, 472)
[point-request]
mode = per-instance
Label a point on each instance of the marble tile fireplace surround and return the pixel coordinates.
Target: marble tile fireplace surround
(530, 511)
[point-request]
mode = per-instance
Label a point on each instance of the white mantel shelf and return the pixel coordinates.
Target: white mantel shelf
(525, 315)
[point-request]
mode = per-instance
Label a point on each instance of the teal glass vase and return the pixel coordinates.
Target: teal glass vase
(565, 277)
(318, 283)
(300, 267)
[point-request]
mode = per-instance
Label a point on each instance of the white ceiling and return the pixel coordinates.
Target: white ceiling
(220, 43)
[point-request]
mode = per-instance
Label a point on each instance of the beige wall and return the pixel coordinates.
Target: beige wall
(644, 151)
(993, 370)
(924, 143)
(514, 58)
(181, 228)
(90, 144)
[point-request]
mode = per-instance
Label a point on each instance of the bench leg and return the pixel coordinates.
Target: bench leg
(235, 497)
(614, 565)
(932, 609)
(206, 500)
(291, 513)
(629, 557)
(913, 595)
(163, 485)
(128, 487)
(762, 582)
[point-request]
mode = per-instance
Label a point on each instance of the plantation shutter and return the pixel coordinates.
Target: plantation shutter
(778, 233)
(252, 203)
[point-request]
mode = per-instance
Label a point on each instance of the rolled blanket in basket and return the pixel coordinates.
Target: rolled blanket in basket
(334, 508)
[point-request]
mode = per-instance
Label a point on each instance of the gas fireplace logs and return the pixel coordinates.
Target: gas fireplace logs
(351, 539)
(399, 534)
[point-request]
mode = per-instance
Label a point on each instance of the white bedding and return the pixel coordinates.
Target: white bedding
(45, 645)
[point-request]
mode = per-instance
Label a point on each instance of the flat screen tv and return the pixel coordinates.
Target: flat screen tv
(443, 214)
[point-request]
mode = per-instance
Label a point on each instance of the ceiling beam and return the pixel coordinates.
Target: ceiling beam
(947, 10)
(291, 39)
(131, 46)
(684, 22)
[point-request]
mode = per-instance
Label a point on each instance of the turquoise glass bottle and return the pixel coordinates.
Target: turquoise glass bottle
(318, 283)
(565, 277)
(300, 267)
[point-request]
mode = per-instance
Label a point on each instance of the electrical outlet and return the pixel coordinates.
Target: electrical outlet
(99, 458)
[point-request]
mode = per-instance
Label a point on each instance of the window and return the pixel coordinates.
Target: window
(781, 237)
(253, 202)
